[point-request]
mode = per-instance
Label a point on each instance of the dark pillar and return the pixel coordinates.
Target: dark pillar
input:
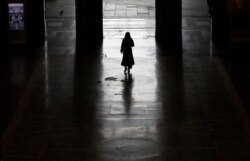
(169, 23)
(89, 25)
(220, 24)
(3, 23)
(35, 21)
(3, 43)
(1, 155)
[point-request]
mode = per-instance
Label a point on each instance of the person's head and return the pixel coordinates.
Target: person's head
(127, 35)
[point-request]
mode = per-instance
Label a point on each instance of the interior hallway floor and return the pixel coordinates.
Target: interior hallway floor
(77, 104)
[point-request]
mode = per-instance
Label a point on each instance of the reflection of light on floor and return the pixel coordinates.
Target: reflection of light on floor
(139, 28)
(46, 75)
(133, 23)
(211, 41)
(144, 48)
(130, 112)
(143, 72)
(130, 149)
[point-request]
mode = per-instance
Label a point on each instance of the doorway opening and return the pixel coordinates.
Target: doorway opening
(136, 17)
(133, 16)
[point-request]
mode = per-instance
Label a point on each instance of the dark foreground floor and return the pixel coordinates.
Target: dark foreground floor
(84, 108)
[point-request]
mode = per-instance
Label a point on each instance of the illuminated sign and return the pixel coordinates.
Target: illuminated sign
(16, 16)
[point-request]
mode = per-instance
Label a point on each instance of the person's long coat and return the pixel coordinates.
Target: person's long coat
(126, 49)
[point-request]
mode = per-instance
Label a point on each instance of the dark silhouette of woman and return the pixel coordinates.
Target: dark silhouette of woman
(126, 50)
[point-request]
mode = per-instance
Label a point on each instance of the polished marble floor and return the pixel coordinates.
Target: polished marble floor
(82, 107)
(77, 104)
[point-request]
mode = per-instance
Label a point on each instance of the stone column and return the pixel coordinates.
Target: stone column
(35, 21)
(3, 23)
(89, 25)
(1, 155)
(169, 23)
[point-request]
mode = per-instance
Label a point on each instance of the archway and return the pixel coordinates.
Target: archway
(136, 17)
(130, 15)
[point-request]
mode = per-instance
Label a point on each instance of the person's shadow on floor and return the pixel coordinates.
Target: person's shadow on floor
(127, 93)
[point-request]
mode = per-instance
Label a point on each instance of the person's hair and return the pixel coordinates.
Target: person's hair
(127, 35)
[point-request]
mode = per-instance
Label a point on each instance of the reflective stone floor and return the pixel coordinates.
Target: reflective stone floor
(83, 107)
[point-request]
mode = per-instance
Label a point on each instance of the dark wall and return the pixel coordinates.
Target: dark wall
(35, 21)
(221, 24)
(3, 43)
(221, 34)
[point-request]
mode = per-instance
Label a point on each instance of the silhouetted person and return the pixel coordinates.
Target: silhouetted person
(126, 50)
(61, 12)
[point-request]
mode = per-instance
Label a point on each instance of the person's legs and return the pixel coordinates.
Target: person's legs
(125, 69)
(129, 67)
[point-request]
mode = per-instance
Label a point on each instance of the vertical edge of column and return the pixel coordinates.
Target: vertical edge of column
(3, 24)
(35, 21)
